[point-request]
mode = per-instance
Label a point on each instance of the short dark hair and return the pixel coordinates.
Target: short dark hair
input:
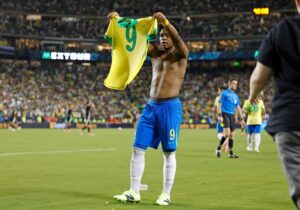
(232, 79)
(174, 24)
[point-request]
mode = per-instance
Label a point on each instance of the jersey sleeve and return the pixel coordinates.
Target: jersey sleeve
(109, 32)
(153, 30)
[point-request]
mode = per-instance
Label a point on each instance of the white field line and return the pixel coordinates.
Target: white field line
(56, 152)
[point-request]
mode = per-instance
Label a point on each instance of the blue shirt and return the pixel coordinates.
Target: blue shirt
(229, 100)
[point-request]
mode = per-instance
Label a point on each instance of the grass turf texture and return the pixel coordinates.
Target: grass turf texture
(85, 172)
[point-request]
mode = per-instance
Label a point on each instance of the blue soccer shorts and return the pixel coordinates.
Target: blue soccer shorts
(253, 129)
(219, 127)
(159, 122)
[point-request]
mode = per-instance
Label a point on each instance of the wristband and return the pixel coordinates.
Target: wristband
(165, 22)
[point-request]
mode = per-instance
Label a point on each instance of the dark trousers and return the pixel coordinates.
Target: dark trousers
(289, 153)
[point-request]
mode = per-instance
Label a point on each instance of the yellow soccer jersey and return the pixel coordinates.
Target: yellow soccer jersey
(254, 112)
(129, 39)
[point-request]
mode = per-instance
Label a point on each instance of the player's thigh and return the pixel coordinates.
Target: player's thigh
(145, 133)
(231, 123)
(257, 129)
(226, 120)
(249, 129)
(169, 121)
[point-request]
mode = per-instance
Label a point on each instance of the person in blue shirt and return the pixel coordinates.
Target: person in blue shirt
(229, 103)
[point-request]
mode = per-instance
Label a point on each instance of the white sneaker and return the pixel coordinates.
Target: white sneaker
(256, 150)
(128, 196)
(249, 149)
(163, 200)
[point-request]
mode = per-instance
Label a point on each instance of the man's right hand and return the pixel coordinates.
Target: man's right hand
(112, 15)
(161, 18)
(254, 100)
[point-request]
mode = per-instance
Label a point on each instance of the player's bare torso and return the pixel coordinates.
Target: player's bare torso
(168, 70)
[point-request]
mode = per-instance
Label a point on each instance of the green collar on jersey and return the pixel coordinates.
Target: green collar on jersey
(127, 22)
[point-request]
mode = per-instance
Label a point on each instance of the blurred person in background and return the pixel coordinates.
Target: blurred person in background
(87, 120)
(255, 114)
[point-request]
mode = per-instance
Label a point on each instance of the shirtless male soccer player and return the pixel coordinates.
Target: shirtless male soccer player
(162, 115)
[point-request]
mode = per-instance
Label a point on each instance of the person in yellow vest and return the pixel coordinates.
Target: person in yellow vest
(161, 118)
(255, 114)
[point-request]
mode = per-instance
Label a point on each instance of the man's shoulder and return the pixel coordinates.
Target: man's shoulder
(225, 91)
(286, 24)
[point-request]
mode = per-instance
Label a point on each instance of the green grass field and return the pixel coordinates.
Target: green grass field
(50, 169)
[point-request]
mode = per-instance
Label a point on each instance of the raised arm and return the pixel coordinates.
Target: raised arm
(178, 42)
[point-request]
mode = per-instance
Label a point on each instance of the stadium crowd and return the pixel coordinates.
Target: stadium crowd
(200, 27)
(45, 92)
(140, 8)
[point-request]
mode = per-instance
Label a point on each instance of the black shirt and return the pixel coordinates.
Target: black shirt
(280, 51)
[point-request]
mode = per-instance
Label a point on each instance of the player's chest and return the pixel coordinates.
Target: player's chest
(163, 64)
